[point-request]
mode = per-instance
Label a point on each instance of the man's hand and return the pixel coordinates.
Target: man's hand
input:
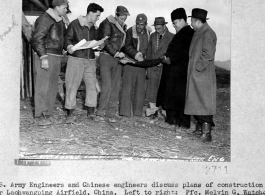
(167, 61)
(140, 58)
(121, 55)
(101, 46)
(44, 63)
(70, 49)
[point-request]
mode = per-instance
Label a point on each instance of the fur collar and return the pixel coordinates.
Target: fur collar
(148, 29)
(135, 35)
(83, 22)
(54, 15)
(113, 20)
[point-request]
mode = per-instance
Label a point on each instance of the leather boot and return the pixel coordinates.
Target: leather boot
(70, 116)
(70, 112)
(198, 131)
(90, 112)
(206, 128)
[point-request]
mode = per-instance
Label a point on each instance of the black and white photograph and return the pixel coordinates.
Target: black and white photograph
(127, 80)
(132, 97)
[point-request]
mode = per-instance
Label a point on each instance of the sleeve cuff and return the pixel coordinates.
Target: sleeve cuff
(137, 55)
(116, 54)
(44, 56)
(69, 47)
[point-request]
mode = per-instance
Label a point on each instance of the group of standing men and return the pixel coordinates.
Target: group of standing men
(183, 84)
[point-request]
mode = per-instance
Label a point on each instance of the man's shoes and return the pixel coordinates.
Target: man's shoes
(70, 116)
(99, 118)
(198, 131)
(206, 129)
(171, 121)
(43, 120)
(154, 116)
(91, 113)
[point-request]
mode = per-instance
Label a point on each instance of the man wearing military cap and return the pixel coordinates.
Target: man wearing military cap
(47, 40)
(157, 47)
(110, 68)
(136, 43)
(201, 78)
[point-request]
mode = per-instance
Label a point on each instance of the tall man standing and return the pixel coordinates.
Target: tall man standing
(110, 68)
(136, 44)
(81, 63)
(159, 41)
(172, 88)
(201, 81)
(47, 40)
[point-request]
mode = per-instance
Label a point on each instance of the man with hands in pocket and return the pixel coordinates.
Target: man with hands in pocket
(201, 77)
(47, 40)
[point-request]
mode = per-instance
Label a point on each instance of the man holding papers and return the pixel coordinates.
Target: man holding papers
(81, 62)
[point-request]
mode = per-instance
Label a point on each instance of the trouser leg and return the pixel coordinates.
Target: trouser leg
(105, 66)
(115, 88)
(139, 93)
(42, 79)
(90, 80)
(55, 66)
(73, 78)
(126, 92)
(171, 117)
(205, 118)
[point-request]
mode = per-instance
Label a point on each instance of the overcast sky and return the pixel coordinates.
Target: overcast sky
(219, 12)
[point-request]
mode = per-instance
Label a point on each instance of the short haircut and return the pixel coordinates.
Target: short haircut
(93, 7)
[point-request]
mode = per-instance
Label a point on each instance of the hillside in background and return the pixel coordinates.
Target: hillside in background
(223, 77)
(224, 64)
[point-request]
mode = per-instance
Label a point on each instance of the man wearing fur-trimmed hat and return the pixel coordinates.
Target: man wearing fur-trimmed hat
(172, 88)
(159, 41)
(47, 40)
(201, 78)
(133, 79)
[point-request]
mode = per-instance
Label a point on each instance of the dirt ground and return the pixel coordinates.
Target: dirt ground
(128, 139)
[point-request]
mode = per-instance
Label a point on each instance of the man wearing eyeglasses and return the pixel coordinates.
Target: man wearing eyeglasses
(172, 89)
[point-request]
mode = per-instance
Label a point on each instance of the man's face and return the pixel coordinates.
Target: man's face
(61, 9)
(160, 29)
(94, 16)
(140, 27)
(194, 24)
(178, 24)
(121, 19)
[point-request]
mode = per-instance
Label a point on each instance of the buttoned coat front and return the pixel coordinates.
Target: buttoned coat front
(154, 73)
(201, 77)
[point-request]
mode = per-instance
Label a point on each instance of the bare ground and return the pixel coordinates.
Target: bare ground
(133, 138)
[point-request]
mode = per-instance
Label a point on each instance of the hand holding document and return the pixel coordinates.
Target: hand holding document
(83, 44)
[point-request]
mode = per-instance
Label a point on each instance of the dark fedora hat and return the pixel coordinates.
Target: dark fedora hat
(159, 21)
(199, 14)
(178, 13)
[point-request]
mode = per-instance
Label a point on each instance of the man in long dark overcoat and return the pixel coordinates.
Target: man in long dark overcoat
(157, 47)
(201, 81)
(172, 89)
